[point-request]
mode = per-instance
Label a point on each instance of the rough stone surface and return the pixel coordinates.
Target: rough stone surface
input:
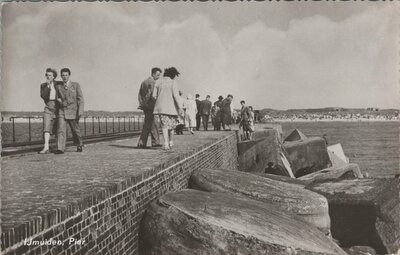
(348, 171)
(307, 156)
(364, 212)
(293, 181)
(309, 206)
(194, 222)
(296, 135)
(265, 147)
(360, 250)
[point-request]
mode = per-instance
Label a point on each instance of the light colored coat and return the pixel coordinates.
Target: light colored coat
(167, 97)
(190, 113)
(72, 105)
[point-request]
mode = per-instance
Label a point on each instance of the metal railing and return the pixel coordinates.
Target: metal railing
(29, 131)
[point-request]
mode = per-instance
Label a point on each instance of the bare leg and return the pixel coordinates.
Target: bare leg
(171, 136)
(166, 138)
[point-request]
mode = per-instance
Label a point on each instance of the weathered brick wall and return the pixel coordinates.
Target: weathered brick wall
(108, 222)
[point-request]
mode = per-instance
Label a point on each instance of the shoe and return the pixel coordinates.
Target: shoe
(141, 146)
(58, 152)
(157, 145)
(171, 144)
(166, 148)
(79, 148)
(44, 151)
(191, 131)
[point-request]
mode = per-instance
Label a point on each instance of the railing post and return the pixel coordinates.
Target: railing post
(98, 121)
(84, 126)
(124, 125)
(113, 125)
(134, 123)
(106, 124)
(92, 125)
(30, 129)
(129, 123)
(119, 124)
(13, 128)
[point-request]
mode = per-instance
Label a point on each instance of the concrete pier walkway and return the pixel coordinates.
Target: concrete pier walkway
(33, 184)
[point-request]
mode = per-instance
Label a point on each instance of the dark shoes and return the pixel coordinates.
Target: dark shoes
(157, 145)
(79, 148)
(58, 152)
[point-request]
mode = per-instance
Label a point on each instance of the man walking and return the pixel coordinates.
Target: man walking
(198, 114)
(205, 110)
(146, 103)
(71, 109)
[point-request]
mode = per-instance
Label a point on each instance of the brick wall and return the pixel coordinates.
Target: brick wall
(108, 222)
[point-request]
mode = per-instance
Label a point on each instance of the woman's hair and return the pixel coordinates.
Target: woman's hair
(52, 70)
(171, 72)
(251, 107)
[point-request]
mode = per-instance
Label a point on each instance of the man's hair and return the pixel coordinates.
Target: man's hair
(65, 70)
(242, 102)
(52, 70)
(229, 95)
(208, 96)
(171, 72)
(155, 69)
(197, 95)
(251, 107)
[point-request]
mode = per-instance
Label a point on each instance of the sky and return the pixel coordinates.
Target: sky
(280, 55)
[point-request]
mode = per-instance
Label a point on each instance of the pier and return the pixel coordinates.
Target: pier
(98, 196)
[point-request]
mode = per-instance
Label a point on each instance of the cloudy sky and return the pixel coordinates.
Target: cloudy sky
(271, 54)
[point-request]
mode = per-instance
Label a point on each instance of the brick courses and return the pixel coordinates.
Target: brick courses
(108, 221)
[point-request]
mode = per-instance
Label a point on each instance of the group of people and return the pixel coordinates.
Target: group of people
(162, 97)
(158, 96)
(64, 105)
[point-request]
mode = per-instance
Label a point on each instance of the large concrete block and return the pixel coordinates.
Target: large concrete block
(296, 135)
(198, 223)
(309, 206)
(265, 147)
(347, 171)
(290, 180)
(307, 156)
(364, 212)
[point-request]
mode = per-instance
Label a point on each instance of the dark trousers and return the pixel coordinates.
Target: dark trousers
(62, 132)
(205, 121)
(198, 120)
(150, 126)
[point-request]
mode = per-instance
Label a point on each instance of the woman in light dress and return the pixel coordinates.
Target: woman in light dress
(168, 104)
(190, 113)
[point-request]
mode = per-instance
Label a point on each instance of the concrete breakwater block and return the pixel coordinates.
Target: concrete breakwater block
(293, 181)
(296, 135)
(348, 171)
(265, 147)
(196, 223)
(309, 206)
(307, 156)
(364, 212)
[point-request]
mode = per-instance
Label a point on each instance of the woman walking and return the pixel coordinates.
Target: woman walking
(190, 113)
(168, 104)
(49, 95)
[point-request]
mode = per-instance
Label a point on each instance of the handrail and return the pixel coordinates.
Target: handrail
(99, 123)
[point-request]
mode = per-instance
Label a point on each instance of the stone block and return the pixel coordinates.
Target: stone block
(307, 156)
(364, 212)
(296, 135)
(309, 206)
(348, 171)
(196, 223)
(286, 179)
(265, 147)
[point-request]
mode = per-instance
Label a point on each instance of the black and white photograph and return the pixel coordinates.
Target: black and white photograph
(200, 128)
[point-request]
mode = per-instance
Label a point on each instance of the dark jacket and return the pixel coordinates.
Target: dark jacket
(205, 107)
(198, 103)
(45, 91)
(146, 101)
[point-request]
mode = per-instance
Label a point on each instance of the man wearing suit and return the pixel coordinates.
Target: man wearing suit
(205, 110)
(198, 114)
(71, 109)
(146, 103)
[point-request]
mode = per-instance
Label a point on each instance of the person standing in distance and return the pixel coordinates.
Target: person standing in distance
(205, 110)
(146, 103)
(198, 114)
(71, 109)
